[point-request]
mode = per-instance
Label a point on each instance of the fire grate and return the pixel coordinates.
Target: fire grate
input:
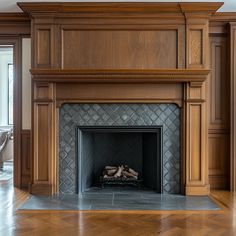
(121, 181)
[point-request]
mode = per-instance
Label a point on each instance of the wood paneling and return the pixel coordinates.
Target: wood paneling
(218, 112)
(219, 160)
(219, 84)
(157, 93)
(43, 91)
(43, 140)
(195, 49)
(43, 46)
(198, 43)
(26, 158)
(120, 49)
(43, 50)
(195, 145)
(196, 159)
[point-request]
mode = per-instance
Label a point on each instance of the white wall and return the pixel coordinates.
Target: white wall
(26, 83)
(10, 5)
(6, 57)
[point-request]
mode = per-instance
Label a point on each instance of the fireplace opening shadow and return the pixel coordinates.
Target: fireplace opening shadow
(138, 148)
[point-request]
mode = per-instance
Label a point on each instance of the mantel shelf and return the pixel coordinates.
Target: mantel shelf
(114, 76)
(121, 7)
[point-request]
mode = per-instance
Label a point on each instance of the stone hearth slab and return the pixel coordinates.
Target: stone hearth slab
(116, 199)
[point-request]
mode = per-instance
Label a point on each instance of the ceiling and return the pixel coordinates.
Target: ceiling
(10, 5)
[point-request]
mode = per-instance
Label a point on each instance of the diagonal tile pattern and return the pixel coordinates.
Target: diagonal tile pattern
(73, 115)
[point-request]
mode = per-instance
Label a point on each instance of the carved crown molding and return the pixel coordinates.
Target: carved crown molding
(101, 8)
(223, 17)
(14, 23)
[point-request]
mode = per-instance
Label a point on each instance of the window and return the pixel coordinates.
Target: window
(10, 94)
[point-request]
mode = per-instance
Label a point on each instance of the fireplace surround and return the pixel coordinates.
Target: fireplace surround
(119, 53)
(123, 90)
(134, 118)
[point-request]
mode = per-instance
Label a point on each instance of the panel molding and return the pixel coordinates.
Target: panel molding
(146, 49)
(43, 46)
(219, 84)
(219, 160)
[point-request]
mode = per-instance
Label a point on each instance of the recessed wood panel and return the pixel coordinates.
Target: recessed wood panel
(219, 84)
(196, 46)
(43, 46)
(43, 141)
(195, 143)
(43, 91)
(218, 160)
(115, 49)
(171, 93)
(218, 115)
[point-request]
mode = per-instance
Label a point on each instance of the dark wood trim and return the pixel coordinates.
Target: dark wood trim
(14, 24)
(17, 17)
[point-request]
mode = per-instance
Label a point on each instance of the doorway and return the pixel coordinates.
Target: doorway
(14, 114)
(6, 112)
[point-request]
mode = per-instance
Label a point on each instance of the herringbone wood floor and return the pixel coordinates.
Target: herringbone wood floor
(114, 223)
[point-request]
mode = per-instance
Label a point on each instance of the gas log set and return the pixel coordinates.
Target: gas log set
(120, 175)
(119, 172)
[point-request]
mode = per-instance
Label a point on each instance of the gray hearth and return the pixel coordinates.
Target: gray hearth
(75, 117)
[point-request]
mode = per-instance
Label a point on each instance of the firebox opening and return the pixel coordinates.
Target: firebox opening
(138, 148)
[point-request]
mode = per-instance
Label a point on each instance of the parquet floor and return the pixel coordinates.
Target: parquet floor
(171, 223)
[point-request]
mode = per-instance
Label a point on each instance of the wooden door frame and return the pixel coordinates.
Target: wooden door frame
(14, 27)
(16, 42)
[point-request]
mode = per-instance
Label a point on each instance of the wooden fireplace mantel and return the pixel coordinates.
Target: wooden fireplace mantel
(121, 76)
(120, 53)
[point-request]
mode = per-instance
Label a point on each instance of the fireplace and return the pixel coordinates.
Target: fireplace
(138, 148)
(110, 56)
(145, 137)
